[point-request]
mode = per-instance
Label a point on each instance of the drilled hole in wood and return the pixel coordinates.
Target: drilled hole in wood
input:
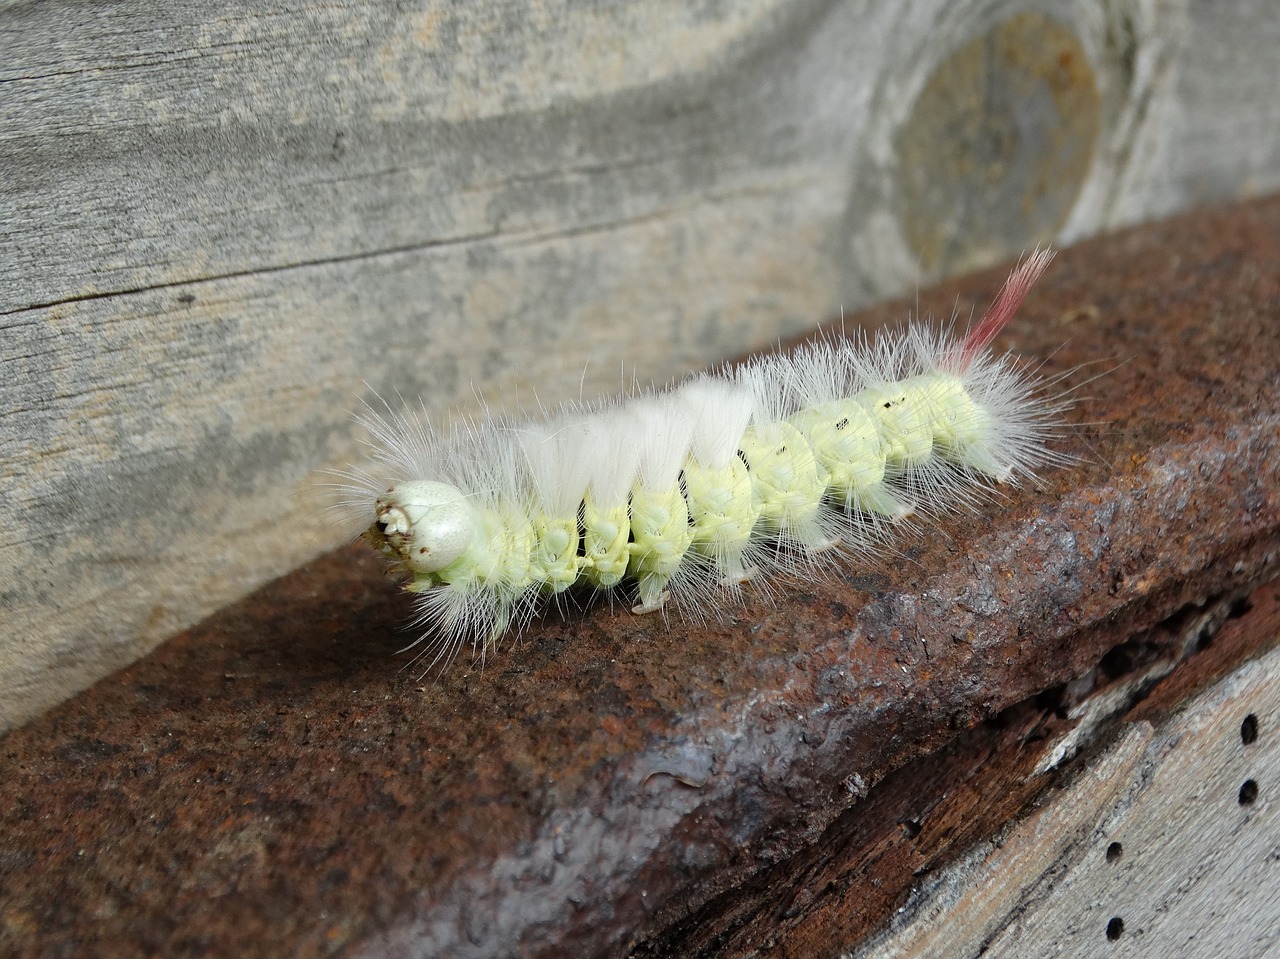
(1248, 792)
(911, 828)
(1249, 729)
(1114, 928)
(1114, 852)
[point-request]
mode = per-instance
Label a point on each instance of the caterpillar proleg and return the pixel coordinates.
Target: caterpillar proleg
(681, 496)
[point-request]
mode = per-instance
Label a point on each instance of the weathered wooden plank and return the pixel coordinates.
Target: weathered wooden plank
(1165, 845)
(216, 224)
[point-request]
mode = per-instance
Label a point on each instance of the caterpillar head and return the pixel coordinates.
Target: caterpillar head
(425, 524)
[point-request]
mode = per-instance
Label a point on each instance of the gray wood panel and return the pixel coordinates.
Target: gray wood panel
(1156, 848)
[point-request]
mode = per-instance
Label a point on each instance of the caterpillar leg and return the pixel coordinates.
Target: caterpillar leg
(980, 460)
(877, 499)
(653, 595)
(738, 572)
(821, 543)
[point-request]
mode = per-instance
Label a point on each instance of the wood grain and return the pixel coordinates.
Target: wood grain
(1156, 848)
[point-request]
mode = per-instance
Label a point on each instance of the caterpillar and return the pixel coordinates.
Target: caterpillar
(680, 497)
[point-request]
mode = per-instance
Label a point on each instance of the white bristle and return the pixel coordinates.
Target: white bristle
(720, 410)
(663, 437)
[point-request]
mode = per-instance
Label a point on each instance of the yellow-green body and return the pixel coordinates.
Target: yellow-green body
(839, 452)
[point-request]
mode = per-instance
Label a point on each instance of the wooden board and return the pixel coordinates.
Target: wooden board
(1165, 845)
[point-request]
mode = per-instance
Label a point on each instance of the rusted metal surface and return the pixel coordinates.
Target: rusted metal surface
(269, 784)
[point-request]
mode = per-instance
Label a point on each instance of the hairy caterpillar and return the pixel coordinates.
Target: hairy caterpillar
(755, 473)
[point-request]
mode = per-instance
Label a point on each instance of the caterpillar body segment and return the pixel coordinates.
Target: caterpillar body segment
(661, 533)
(691, 492)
